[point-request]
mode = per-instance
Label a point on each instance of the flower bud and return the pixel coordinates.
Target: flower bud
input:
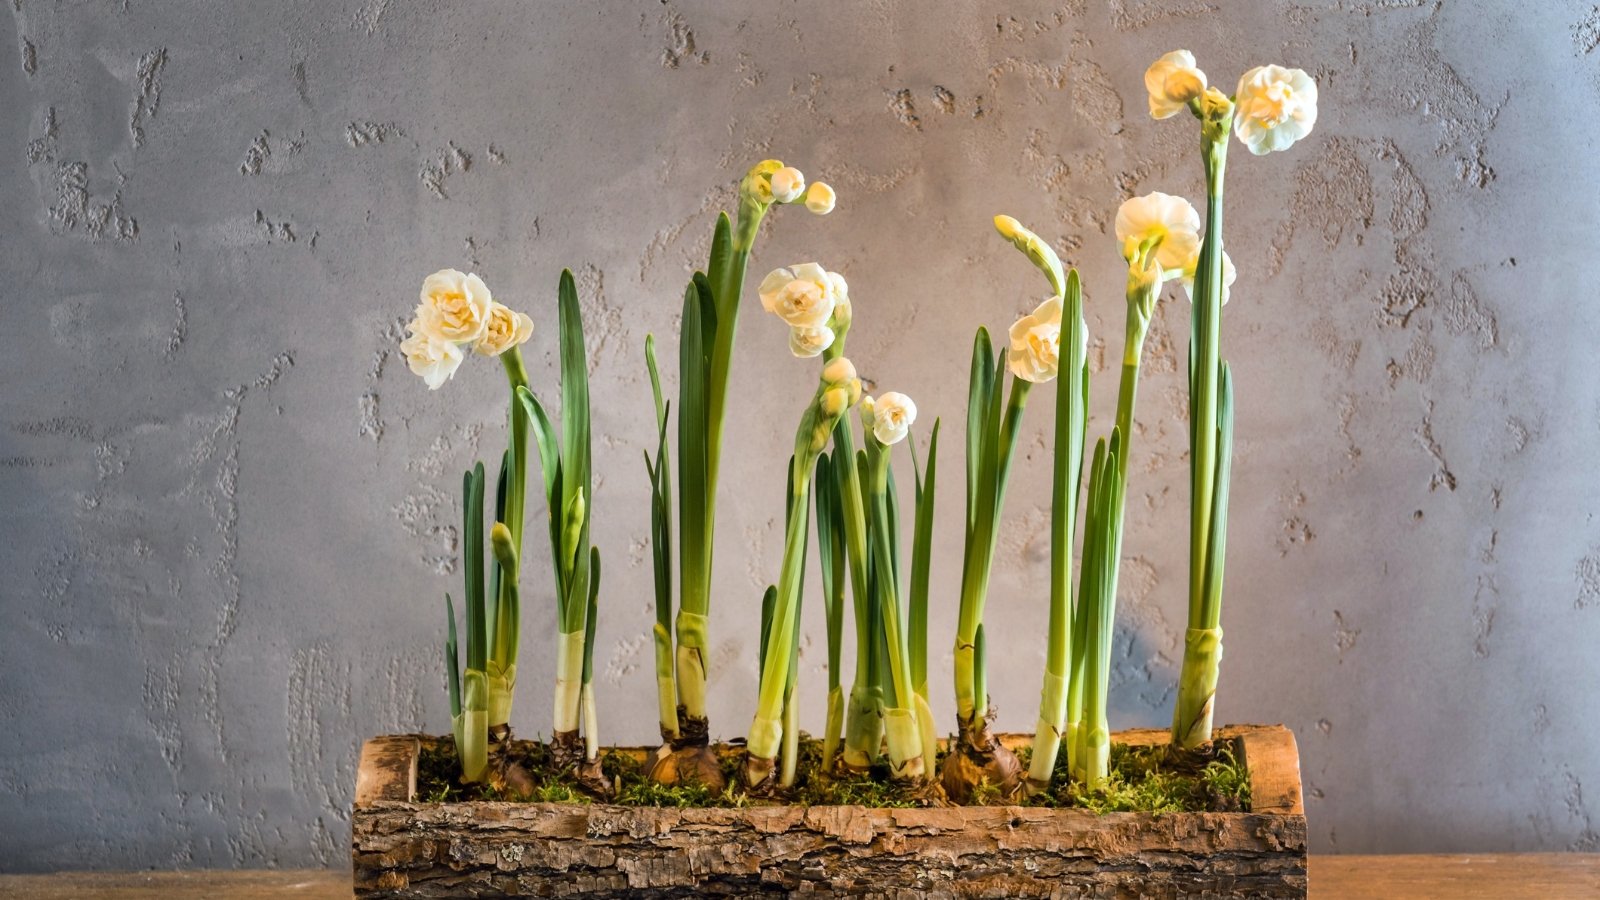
(834, 402)
(820, 198)
(1172, 81)
(788, 184)
(839, 372)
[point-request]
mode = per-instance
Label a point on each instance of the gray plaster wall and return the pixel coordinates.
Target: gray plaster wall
(230, 512)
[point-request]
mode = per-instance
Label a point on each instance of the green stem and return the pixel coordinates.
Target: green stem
(1191, 724)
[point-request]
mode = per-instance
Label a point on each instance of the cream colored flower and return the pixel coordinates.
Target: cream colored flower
(788, 184)
(806, 343)
(1157, 215)
(841, 372)
(820, 198)
(1275, 107)
(507, 329)
(1035, 352)
(803, 297)
(1173, 80)
(434, 359)
(1229, 274)
(455, 306)
(892, 415)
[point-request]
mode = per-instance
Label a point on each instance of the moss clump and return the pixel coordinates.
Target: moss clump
(1155, 779)
(1158, 779)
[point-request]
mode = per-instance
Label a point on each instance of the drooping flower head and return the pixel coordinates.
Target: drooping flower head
(1173, 80)
(1035, 351)
(1143, 221)
(455, 306)
(770, 181)
(434, 359)
(1274, 107)
(806, 343)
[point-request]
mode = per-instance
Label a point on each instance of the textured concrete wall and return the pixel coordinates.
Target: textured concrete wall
(230, 511)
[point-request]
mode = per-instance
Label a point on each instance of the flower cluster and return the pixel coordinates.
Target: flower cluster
(1272, 108)
(812, 301)
(457, 310)
(773, 182)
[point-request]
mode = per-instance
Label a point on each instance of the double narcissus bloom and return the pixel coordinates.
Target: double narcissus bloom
(1273, 107)
(457, 310)
(890, 416)
(1035, 351)
(812, 301)
(1173, 80)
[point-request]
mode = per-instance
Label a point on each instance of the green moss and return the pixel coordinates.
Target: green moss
(1142, 779)
(1157, 779)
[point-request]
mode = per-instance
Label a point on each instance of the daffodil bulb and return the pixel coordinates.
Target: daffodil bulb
(455, 306)
(820, 198)
(892, 416)
(434, 359)
(1157, 216)
(788, 184)
(1275, 107)
(1229, 273)
(1173, 80)
(507, 329)
(802, 296)
(1035, 351)
(806, 343)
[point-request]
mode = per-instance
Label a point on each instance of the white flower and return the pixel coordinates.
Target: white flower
(1158, 215)
(1173, 80)
(808, 342)
(455, 306)
(892, 415)
(1229, 274)
(434, 359)
(1275, 107)
(506, 329)
(803, 297)
(788, 184)
(1035, 353)
(820, 198)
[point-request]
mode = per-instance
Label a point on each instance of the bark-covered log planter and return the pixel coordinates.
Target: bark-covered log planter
(405, 848)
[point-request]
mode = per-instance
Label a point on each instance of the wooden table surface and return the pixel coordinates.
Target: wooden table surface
(1458, 877)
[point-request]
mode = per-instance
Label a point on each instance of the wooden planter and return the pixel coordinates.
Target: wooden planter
(403, 848)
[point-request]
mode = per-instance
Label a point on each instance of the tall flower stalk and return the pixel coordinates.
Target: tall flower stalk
(1272, 108)
(711, 306)
(564, 456)
(837, 391)
(457, 314)
(993, 421)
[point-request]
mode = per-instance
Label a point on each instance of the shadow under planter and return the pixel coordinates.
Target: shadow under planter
(402, 848)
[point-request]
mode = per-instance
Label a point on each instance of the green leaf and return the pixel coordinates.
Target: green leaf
(921, 560)
(452, 659)
(1218, 543)
(694, 516)
(591, 615)
(472, 539)
(978, 392)
(574, 396)
(769, 603)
